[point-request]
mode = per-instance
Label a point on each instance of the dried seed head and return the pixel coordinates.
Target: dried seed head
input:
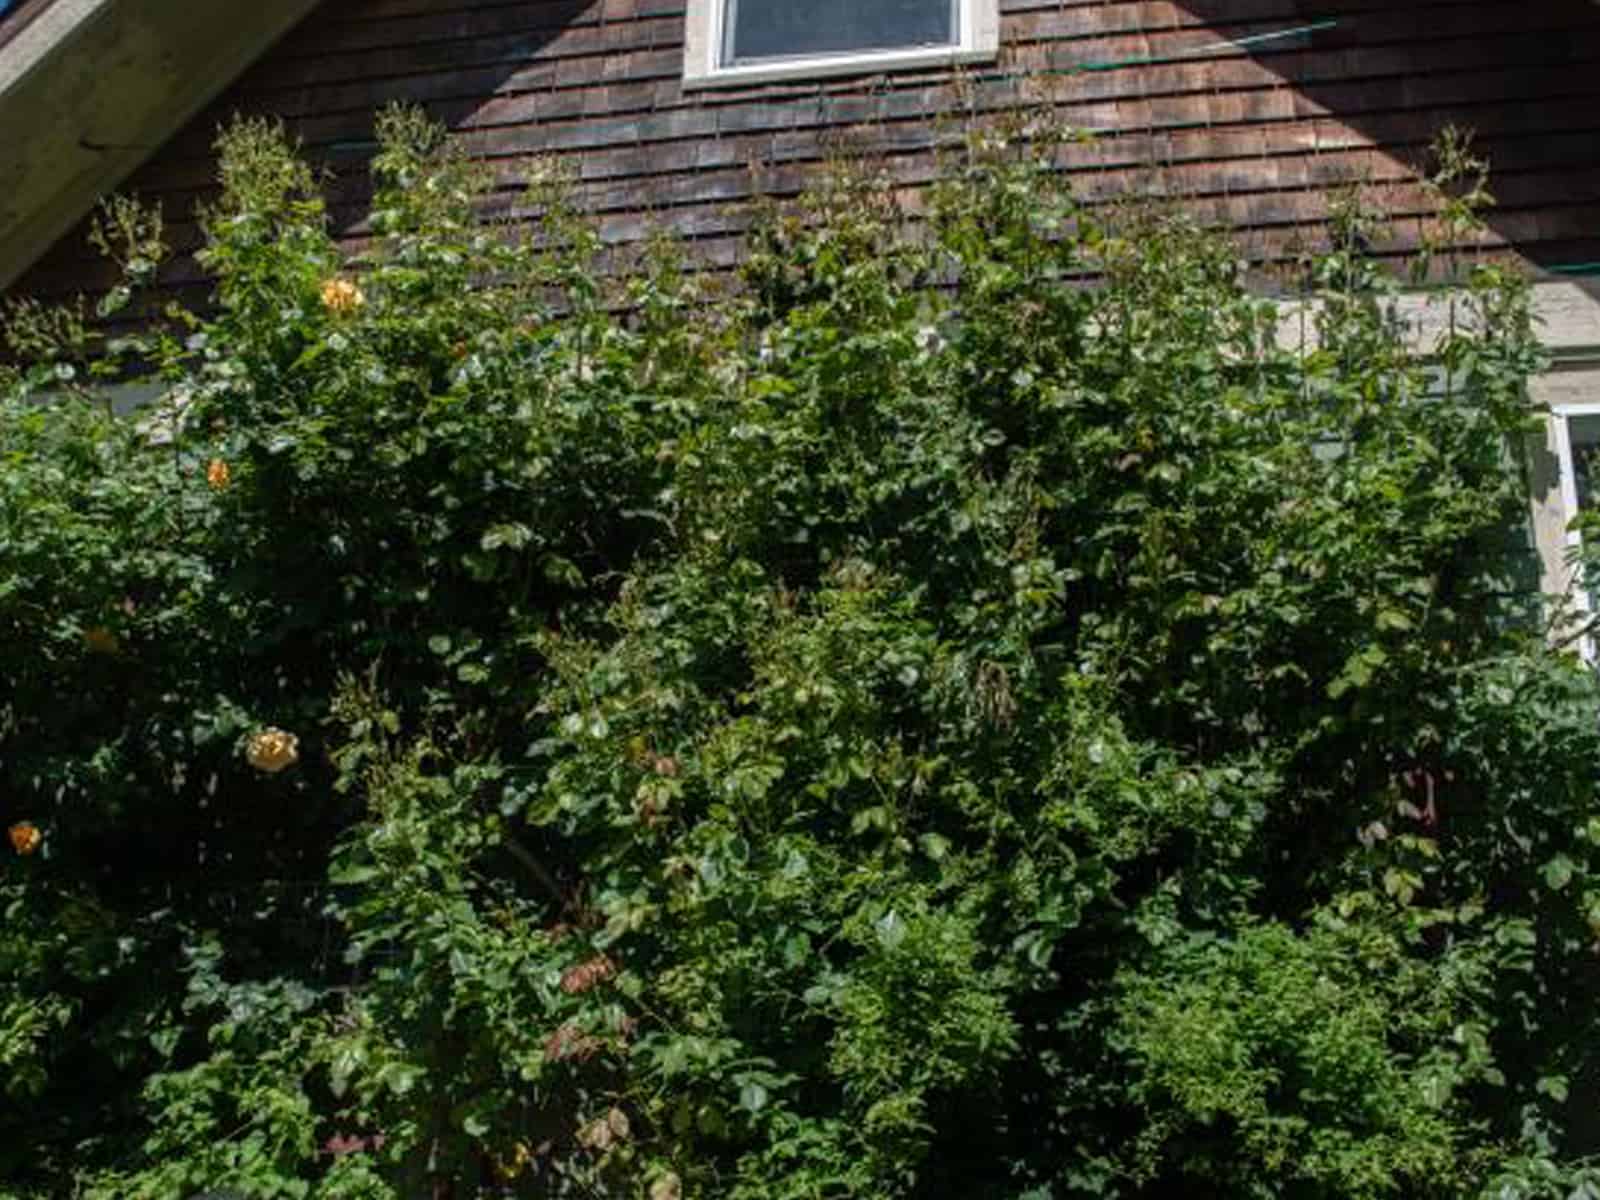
(604, 1132)
(570, 1044)
(515, 1163)
(585, 976)
(101, 640)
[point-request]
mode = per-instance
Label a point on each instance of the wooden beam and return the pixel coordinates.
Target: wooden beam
(91, 88)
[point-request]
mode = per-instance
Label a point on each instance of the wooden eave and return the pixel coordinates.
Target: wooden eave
(90, 88)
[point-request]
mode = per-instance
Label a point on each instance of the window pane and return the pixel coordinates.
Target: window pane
(791, 28)
(1585, 434)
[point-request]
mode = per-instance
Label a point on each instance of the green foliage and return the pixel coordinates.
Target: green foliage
(914, 726)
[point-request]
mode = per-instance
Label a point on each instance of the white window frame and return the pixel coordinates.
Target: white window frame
(1560, 441)
(977, 28)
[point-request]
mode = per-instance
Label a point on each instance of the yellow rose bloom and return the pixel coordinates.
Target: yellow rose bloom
(271, 750)
(341, 297)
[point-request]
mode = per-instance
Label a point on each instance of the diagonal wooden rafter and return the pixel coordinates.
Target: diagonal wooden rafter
(90, 88)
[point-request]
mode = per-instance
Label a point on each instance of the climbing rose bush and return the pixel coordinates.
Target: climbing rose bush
(988, 706)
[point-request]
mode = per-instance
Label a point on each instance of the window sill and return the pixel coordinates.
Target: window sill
(835, 65)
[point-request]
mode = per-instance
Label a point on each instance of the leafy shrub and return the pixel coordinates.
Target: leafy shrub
(915, 725)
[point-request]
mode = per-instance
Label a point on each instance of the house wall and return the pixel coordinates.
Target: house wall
(1251, 135)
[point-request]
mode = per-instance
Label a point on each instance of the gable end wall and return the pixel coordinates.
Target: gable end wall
(1251, 136)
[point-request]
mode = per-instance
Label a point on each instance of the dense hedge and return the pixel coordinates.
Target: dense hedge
(915, 725)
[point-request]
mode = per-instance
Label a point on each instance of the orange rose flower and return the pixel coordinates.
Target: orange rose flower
(25, 837)
(218, 476)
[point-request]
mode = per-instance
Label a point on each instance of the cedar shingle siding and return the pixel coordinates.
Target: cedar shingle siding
(1249, 137)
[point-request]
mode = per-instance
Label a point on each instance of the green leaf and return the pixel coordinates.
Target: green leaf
(1393, 619)
(348, 873)
(1554, 1086)
(891, 930)
(510, 536)
(752, 1097)
(1558, 872)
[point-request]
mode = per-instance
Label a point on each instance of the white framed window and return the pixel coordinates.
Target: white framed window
(733, 42)
(1573, 442)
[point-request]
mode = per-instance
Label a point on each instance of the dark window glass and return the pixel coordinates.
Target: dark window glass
(796, 28)
(1584, 430)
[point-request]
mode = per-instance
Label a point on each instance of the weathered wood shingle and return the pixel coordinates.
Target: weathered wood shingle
(1328, 94)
